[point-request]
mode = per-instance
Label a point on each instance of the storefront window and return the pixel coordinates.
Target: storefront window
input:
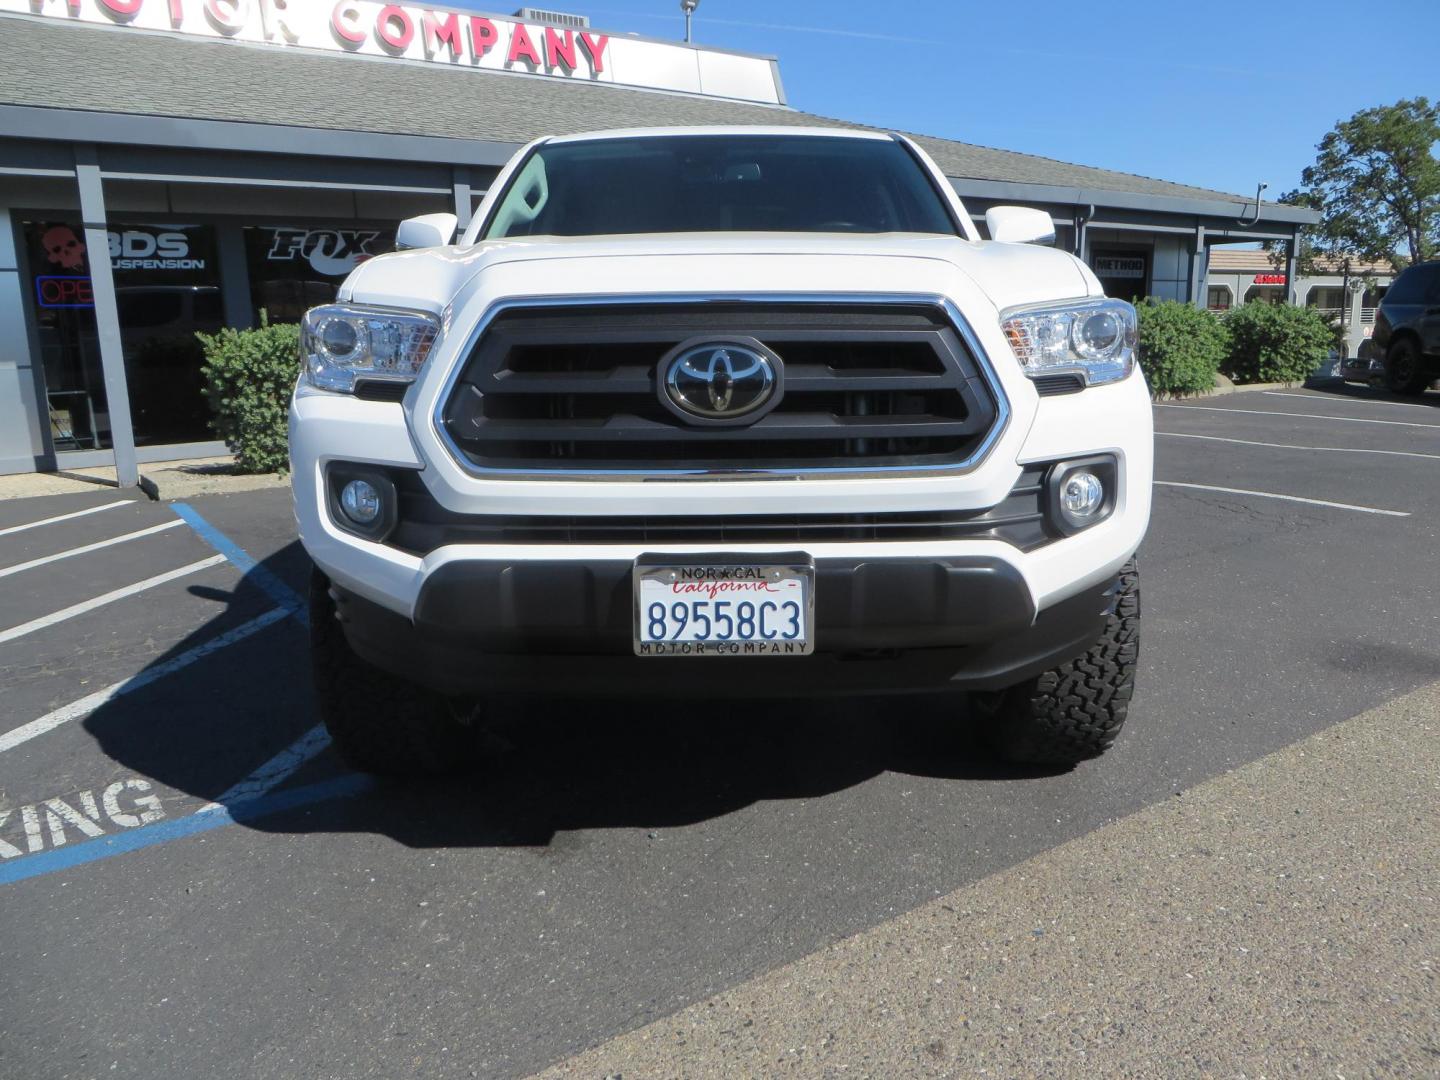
(1328, 299)
(1123, 274)
(166, 289)
(294, 267)
(1217, 298)
(1269, 294)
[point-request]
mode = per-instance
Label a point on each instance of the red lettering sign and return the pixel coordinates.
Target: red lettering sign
(559, 50)
(522, 46)
(483, 36)
(444, 31)
(343, 24)
(596, 48)
(1269, 279)
(394, 28)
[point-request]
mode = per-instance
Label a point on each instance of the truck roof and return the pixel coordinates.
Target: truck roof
(722, 129)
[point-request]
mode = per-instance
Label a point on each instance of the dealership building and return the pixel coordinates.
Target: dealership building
(1346, 293)
(174, 166)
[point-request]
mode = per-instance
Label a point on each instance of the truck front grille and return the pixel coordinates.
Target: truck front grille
(573, 389)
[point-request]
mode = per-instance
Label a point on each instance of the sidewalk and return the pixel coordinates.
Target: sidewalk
(161, 480)
(1279, 920)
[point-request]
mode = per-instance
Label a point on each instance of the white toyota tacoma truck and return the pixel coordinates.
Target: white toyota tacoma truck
(722, 411)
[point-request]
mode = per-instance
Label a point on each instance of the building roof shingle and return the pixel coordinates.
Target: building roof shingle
(1241, 261)
(156, 74)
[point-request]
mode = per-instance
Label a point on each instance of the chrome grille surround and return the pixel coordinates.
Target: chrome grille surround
(566, 469)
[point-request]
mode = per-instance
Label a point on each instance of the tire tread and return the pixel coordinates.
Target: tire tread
(1417, 383)
(1075, 711)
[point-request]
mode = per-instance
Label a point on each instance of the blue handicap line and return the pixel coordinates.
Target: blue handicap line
(161, 832)
(267, 582)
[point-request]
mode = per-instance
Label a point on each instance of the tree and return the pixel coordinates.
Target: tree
(1376, 183)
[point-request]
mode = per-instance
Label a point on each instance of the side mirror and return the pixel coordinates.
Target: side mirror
(1019, 225)
(425, 231)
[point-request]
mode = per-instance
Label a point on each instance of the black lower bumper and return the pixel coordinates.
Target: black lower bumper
(882, 626)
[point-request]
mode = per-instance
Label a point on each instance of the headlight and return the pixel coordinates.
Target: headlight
(1091, 338)
(345, 344)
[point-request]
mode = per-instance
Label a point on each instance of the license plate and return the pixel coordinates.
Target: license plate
(724, 609)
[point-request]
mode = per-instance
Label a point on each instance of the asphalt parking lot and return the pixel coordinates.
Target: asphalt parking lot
(193, 885)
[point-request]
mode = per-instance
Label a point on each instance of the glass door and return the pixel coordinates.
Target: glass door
(167, 287)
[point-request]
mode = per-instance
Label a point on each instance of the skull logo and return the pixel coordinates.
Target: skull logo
(63, 247)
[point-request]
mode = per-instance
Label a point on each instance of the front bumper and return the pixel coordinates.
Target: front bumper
(496, 606)
(882, 626)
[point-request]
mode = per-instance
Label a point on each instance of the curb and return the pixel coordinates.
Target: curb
(1224, 386)
(171, 480)
(170, 488)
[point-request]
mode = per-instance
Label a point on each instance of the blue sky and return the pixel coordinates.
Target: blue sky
(1217, 94)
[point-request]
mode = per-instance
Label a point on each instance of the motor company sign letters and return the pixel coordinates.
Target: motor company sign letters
(430, 34)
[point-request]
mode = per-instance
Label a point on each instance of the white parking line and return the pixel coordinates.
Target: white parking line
(1292, 446)
(275, 771)
(1347, 397)
(62, 517)
(90, 702)
(1297, 415)
(1287, 498)
(7, 571)
(99, 601)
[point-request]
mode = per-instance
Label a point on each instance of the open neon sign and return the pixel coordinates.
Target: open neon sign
(62, 291)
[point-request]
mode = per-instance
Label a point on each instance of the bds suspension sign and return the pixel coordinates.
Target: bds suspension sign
(434, 35)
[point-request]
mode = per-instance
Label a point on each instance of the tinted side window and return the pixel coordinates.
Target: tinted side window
(1432, 283)
(1409, 287)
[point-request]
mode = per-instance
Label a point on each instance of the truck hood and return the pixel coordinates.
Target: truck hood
(433, 279)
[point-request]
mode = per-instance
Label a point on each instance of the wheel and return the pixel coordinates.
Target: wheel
(1403, 372)
(380, 724)
(1073, 712)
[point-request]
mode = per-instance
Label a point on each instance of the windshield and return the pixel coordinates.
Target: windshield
(720, 183)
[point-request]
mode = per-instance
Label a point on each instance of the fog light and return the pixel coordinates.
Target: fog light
(1080, 493)
(1081, 496)
(361, 502)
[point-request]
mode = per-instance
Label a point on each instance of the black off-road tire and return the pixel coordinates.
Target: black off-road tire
(379, 723)
(1404, 372)
(1072, 712)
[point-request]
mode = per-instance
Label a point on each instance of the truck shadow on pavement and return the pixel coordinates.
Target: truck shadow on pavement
(548, 765)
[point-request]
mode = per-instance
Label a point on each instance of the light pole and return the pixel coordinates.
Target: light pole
(1353, 287)
(688, 7)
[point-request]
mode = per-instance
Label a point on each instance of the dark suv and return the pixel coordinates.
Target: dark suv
(1407, 330)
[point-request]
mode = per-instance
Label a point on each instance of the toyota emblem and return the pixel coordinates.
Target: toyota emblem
(713, 381)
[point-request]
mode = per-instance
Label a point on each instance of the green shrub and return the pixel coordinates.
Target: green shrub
(249, 375)
(1275, 342)
(1181, 347)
